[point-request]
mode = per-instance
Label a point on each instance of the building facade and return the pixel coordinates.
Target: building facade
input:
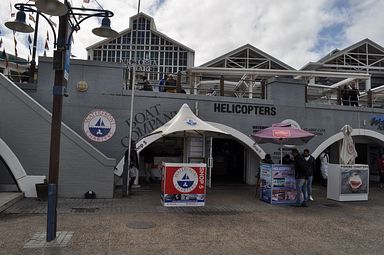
(143, 44)
(258, 90)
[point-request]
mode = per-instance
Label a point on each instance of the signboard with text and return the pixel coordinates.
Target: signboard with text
(277, 183)
(183, 184)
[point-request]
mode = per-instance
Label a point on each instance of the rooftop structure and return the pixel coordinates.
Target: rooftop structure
(142, 43)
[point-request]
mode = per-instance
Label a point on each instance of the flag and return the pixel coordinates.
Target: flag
(29, 39)
(46, 45)
(31, 18)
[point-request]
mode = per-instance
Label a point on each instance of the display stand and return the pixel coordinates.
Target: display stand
(277, 183)
(183, 184)
(348, 182)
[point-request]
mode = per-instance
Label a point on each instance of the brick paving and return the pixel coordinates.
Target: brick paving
(232, 222)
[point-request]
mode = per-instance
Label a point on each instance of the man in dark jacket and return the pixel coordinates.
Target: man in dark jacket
(310, 165)
(301, 177)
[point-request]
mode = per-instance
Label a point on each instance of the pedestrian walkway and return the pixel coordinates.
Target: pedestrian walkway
(232, 222)
(7, 199)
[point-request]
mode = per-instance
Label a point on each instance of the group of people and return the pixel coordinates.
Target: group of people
(166, 84)
(305, 167)
(350, 95)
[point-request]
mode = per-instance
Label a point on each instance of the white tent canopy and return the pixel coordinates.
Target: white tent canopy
(184, 121)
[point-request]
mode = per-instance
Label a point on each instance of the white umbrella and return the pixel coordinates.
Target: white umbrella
(348, 152)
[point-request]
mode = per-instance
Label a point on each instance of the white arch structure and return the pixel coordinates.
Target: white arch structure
(25, 182)
(338, 136)
(246, 140)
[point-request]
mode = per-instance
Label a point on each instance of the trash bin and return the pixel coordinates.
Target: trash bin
(42, 191)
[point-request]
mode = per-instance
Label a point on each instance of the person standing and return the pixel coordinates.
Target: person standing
(324, 163)
(301, 178)
(133, 166)
(267, 160)
(148, 163)
(345, 94)
(354, 96)
(162, 83)
(310, 165)
(381, 170)
(146, 85)
(170, 84)
(287, 160)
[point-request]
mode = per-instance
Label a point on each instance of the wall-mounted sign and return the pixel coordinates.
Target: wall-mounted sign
(99, 125)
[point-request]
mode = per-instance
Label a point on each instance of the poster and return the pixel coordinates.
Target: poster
(277, 184)
(183, 184)
(353, 180)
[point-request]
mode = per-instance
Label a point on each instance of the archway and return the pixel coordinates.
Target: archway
(339, 136)
(25, 182)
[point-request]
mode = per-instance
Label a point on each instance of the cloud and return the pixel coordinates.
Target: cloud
(293, 31)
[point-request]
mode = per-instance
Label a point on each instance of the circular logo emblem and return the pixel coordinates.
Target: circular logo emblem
(99, 125)
(185, 179)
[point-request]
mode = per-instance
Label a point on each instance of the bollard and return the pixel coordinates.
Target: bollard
(51, 212)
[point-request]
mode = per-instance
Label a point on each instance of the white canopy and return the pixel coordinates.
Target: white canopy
(184, 121)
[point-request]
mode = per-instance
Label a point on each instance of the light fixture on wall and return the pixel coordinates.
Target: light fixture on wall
(82, 86)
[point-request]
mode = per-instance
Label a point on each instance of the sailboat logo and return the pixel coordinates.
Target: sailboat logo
(185, 179)
(99, 126)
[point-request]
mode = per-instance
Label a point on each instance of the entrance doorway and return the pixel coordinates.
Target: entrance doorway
(7, 180)
(228, 162)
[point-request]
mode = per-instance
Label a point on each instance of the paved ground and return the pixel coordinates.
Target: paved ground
(233, 222)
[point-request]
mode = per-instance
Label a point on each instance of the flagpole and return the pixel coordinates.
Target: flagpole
(32, 68)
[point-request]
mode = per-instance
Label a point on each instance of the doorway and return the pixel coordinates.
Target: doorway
(228, 162)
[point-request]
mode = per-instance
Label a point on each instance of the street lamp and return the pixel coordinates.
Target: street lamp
(69, 21)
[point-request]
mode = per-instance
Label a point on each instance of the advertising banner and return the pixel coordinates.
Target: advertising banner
(354, 179)
(183, 184)
(348, 182)
(277, 184)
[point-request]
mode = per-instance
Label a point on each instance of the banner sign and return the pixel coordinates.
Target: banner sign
(183, 184)
(354, 179)
(277, 183)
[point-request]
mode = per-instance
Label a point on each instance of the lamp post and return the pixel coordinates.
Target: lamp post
(69, 21)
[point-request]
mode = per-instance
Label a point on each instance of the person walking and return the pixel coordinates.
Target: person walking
(310, 165)
(301, 178)
(381, 171)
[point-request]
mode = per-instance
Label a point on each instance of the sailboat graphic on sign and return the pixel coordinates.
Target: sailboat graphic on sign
(99, 129)
(185, 182)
